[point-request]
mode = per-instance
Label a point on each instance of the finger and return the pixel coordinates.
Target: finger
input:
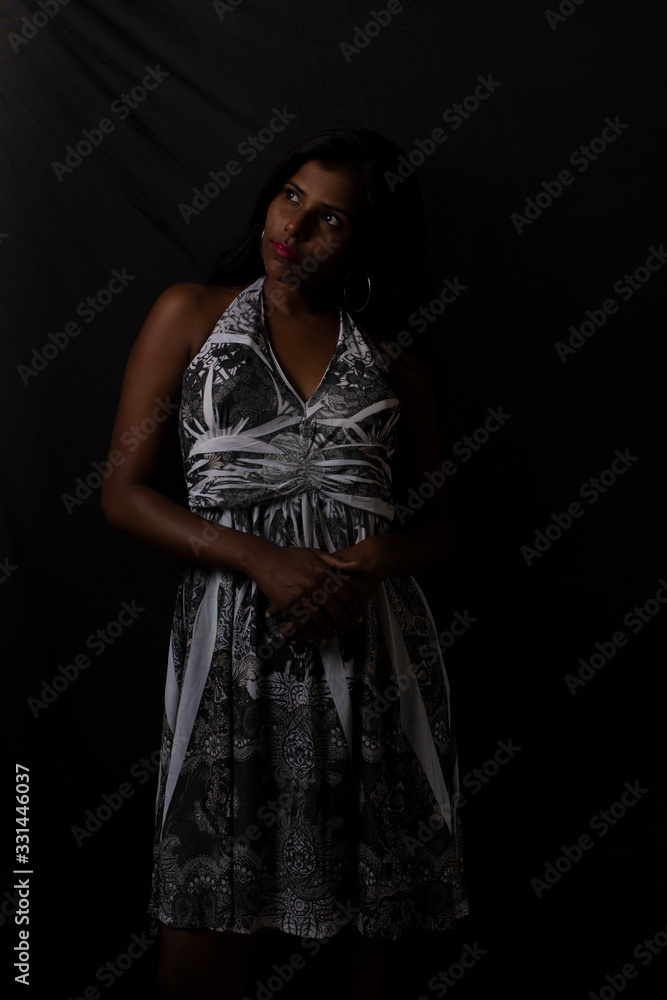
(315, 623)
(337, 611)
(320, 629)
(348, 602)
(300, 640)
(307, 633)
(331, 617)
(347, 597)
(311, 633)
(335, 560)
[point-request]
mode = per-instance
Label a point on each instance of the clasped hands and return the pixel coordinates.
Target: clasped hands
(323, 593)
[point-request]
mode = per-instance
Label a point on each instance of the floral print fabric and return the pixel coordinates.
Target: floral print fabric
(300, 788)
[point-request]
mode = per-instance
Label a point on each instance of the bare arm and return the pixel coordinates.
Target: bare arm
(148, 404)
(150, 392)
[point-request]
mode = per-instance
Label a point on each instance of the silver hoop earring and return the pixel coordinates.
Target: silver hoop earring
(368, 297)
(260, 244)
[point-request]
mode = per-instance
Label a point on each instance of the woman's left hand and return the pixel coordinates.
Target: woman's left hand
(364, 580)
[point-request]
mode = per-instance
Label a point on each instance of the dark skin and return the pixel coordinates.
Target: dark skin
(317, 213)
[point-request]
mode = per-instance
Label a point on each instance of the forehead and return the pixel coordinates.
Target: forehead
(335, 186)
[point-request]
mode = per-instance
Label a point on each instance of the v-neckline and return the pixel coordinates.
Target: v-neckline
(304, 402)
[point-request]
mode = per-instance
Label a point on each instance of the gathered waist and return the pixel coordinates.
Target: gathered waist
(308, 519)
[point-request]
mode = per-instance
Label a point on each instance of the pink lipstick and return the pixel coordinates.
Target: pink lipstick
(284, 251)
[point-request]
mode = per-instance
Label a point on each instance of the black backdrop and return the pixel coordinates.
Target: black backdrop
(536, 254)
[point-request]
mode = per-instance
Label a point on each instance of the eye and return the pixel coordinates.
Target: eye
(336, 223)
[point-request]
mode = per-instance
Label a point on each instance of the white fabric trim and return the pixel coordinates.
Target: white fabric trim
(413, 714)
(195, 674)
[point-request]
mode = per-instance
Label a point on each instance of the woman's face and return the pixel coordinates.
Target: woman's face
(315, 217)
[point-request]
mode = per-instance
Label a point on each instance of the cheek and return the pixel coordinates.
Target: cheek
(329, 257)
(334, 248)
(273, 211)
(329, 265)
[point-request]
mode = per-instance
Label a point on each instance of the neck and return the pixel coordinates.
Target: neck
(303, 301)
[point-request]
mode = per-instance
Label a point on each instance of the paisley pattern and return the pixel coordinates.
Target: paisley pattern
(300, 788)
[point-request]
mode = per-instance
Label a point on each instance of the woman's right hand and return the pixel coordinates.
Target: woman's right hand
(309, 585)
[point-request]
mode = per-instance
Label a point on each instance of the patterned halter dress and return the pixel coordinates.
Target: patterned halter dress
(300, 787)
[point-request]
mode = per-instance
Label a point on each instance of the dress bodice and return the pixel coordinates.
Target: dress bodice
(248, 437)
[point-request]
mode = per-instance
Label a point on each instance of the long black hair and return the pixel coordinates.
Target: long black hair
(391, 242)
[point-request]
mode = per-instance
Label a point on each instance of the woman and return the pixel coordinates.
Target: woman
(309, 779)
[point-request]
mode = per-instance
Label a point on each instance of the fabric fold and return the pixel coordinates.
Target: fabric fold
(413, 713)
(257, 820)
(194, 678)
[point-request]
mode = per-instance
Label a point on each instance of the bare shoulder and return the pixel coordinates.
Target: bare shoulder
(193, 309)
(190, 295)
(191, 298)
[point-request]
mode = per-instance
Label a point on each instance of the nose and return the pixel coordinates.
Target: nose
(293, 227)
(297, 224)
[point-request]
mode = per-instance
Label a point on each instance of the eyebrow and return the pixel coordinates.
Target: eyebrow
(334, 207)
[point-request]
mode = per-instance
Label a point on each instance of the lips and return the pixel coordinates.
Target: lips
(284, 250)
